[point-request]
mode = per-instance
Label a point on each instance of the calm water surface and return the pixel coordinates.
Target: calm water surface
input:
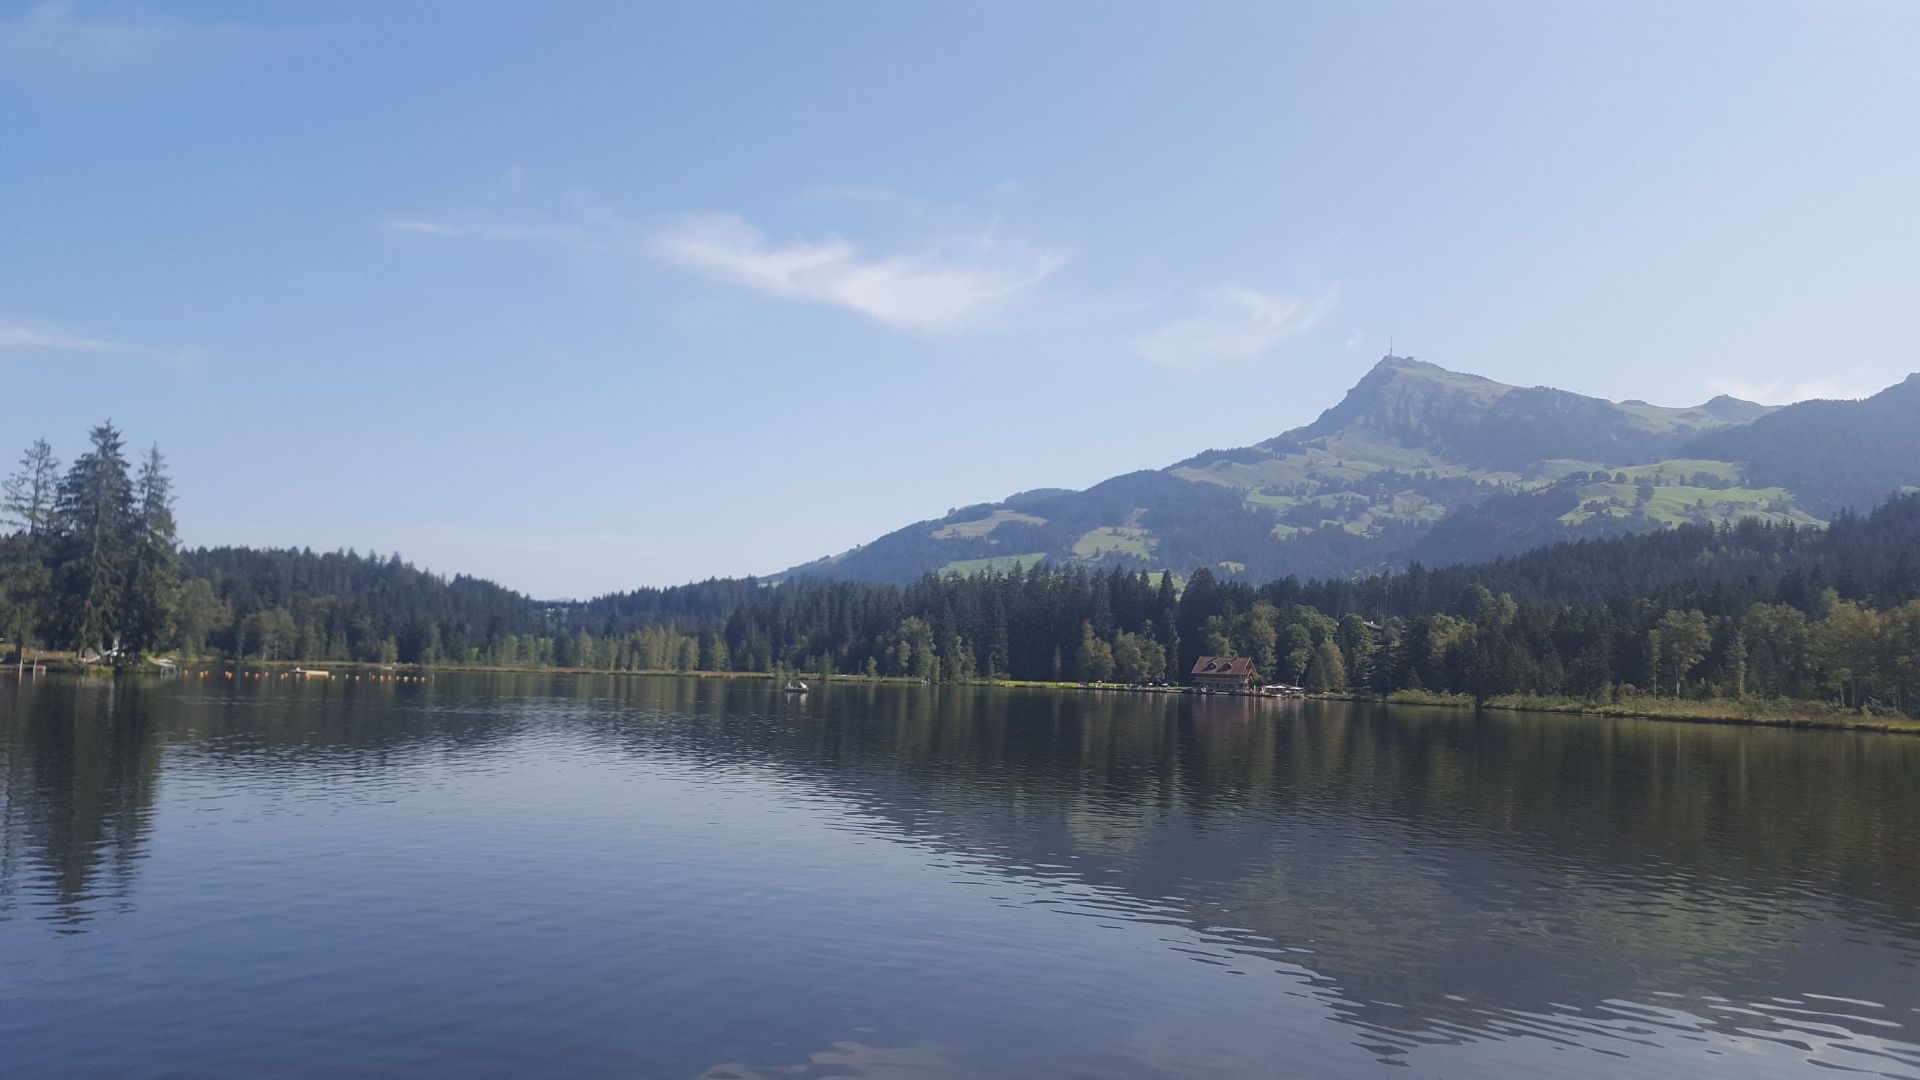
(585, 877)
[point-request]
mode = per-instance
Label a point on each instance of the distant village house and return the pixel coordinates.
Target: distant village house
(1224, 673)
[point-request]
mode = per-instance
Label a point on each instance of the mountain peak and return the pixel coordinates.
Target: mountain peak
(1432, 412)
(1400, 394)
(1390, 366)
(1731, 409)
(1906, 390)
(1392, 361)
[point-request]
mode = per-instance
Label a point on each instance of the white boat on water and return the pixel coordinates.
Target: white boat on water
(796, 687)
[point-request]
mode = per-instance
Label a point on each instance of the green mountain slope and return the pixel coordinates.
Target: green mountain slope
(1420, 463)
(1831, 454)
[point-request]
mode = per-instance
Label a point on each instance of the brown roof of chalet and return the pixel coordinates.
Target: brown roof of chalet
(1230, 667)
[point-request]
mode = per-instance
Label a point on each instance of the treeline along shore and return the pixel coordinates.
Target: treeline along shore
(1749, 619)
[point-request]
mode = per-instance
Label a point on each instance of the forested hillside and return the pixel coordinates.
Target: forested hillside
(1729, 611)
(344, 606)
(302, 605)
(1831, 454)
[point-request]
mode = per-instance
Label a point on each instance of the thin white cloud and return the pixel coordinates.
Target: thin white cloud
(1788, 391)
(29, 336)
(945, 286)
(38, 334)
(950, 280)
(1354, 339)
(476, 228)
(1234, 323)
(62, 39)
(425, 227)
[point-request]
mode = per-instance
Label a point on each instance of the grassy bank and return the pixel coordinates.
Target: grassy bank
(1804, 714)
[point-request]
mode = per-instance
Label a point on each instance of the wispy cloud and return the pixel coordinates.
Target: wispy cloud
(945, 286)
(1234, 322)
(1788, 391)
(582, 236)
(1354, 339)
(39, 334)
(62, 38)
(28, 336)
(425, 227)
(949, 280)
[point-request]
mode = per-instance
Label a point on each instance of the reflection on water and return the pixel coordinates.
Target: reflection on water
(492, 875)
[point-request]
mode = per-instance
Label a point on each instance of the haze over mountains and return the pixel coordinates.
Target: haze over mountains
(1419, 463)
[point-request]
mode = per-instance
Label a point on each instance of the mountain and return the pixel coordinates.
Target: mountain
(1831, 454)
(1419, 463)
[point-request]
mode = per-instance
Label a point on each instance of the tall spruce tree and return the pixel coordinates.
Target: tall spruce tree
(93, 526)
(154, 575)
(23, 593)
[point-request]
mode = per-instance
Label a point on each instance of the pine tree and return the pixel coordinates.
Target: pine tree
(23, 592)
(154, 579)
(27, 502)
(93, 525)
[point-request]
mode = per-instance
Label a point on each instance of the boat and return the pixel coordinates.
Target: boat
(312, 673)
(796, 687)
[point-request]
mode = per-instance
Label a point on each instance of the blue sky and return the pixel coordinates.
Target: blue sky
(586, 296)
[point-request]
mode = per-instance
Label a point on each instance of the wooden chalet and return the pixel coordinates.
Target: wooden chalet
(1224, 673)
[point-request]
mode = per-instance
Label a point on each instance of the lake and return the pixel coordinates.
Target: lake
(506, 876)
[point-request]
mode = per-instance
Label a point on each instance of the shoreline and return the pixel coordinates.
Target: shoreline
(1802, 715)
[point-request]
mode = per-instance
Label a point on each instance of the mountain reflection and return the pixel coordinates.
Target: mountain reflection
(1432, 873)
(1429, 875)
